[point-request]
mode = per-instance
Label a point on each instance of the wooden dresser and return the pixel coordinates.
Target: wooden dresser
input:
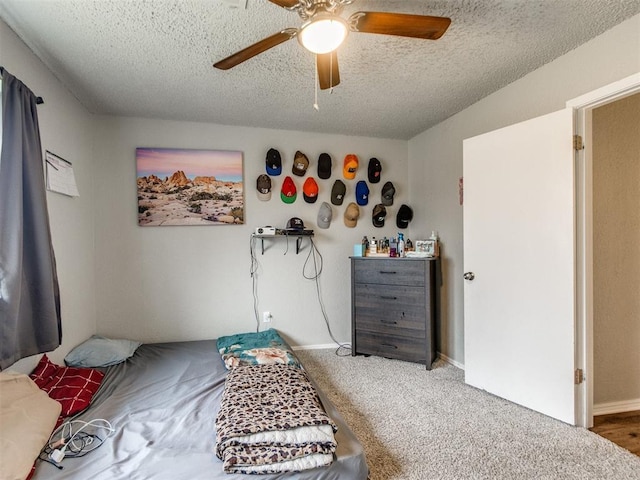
(393, 308)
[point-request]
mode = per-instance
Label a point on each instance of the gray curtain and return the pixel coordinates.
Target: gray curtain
(30, 321)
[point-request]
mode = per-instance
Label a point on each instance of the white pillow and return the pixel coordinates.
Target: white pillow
(28, 417)
(101, 352)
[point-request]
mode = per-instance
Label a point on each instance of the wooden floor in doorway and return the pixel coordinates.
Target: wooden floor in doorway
(621, 428)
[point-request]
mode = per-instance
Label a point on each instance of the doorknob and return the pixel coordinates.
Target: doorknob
(469, 276)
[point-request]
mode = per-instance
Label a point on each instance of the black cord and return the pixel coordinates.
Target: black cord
(345, 348)
(77, 448)
(254, 278)
(314, 254)
(316, 277)
(74, 448)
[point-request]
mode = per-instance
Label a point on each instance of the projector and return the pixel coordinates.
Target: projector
(265, 231)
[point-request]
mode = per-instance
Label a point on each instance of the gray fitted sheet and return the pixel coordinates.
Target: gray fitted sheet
(162, 403)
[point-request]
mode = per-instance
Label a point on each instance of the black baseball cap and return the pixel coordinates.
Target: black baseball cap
(404, 216)
(375, 169)
(274, 162)
(295, 225)
(324, 166)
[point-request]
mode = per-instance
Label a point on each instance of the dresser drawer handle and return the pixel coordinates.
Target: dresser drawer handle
(388, 345)
(383, 272)
(385, 297)
(390, 322)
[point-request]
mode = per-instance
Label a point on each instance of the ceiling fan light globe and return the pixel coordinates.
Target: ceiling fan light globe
(323, 34)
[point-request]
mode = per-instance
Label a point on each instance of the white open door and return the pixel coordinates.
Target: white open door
(519, 245)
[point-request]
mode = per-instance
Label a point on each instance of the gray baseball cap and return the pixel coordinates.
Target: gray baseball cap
(388, 191)
(325, 214)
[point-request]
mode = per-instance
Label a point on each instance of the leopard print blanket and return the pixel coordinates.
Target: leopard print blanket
(271, 421)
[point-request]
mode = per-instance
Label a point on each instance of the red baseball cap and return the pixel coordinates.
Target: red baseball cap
(288, 193)
(310, 190)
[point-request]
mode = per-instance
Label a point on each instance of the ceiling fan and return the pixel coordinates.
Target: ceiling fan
(324, 30)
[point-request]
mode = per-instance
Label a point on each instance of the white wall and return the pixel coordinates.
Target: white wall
(181, 283)
(66, 130)
(435, 156)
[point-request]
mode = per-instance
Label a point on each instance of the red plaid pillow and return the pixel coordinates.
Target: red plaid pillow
(72, 387)
(44, 372)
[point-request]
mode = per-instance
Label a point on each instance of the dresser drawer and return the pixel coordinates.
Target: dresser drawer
(390, 272)
(388, 308)
(391, 346)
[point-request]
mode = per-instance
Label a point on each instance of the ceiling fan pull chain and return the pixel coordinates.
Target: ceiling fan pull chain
(315, 83)
(330, 74)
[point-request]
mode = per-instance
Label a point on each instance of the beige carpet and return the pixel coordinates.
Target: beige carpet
(418, 425)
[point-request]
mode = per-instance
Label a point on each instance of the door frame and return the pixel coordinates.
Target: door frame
(582, 109)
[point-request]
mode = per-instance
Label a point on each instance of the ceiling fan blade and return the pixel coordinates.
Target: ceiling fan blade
(285, 3)
(253, 50)
(401, 24)
(328, 73)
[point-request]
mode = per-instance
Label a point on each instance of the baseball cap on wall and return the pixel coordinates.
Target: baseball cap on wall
(300, 164)
(325, 214)
(362, 193)
(288, 192)
(388, 191)
(274, 162)
(310, 190)
(378, 215)
(295, 225)
(263, 186)
(324, 166)
(350, 166)
(375, 169)
(338, 192)
(351, 215)
(404, 216)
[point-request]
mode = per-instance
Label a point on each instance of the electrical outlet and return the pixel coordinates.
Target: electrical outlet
(266, 317)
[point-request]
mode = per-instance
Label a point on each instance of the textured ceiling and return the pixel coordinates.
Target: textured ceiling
(153, 58)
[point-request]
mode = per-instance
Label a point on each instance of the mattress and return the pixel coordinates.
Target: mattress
(162, 403)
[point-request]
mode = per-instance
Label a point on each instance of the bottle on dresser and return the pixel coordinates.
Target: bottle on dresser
(393, 247)
(436, 247)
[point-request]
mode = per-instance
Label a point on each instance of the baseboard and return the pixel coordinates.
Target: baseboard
(616, 407)
(451, 361)
(442, 356)
(314, 347)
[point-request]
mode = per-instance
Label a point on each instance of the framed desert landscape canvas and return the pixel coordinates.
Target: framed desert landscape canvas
(189, 187)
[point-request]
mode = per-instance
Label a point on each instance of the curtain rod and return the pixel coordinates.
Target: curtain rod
(39, 100)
